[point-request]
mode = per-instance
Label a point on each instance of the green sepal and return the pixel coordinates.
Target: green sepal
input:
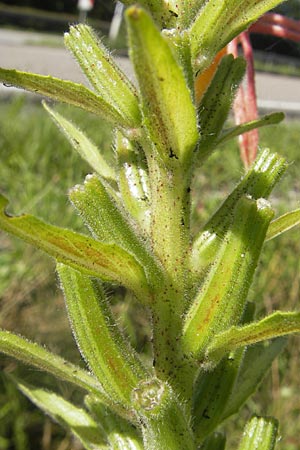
(258, 182)
(105, 349)
(221, 300)
(109, 224)
(217, 101)
(121, 434)
(272, 326)
(164, 13)
(216, 441)
(105, 76)
(219, 22)
(165, 424)
(251, 375)
(169, 113)
(106, 261)
(260, 433)
(133, 181)
(69, 416)
(283, 223)
(37, 356)
(64, 91)
(83, 145)
(268, 119)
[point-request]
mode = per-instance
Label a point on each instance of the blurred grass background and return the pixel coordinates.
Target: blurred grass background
(37, 168)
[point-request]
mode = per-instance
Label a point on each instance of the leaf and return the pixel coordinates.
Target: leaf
(109, 224)
(283, 223)
(268, 119)
(215, 441)
(86, 149)
(105, 349)
(219, 22)
(213, 388)
(258, 182)
(251, 375)
(272, 326)
(169, 113)
(260, 433)
(35, 355)
(103, 73)
(64, 91)
(211, 393)
(222, 297)
(75, 419)
(106, 261)
(216, 102)
(121, 434)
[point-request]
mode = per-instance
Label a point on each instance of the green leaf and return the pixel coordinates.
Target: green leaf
(215, 441)
(86, 149)
(37, 356)
(258, 182)
(251, 375)
(103, 73)
(283, 223)
(109, 224)
(221, 300)
(269, 119)
(169, 113)
(260, 433)
(75, 419)
(272, 326)
(219, 22)
(121, 434)
(105, 349)
(216, 102)
(106, 261)
(64, 91)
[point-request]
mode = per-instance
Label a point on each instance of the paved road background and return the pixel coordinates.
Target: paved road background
(22, 50)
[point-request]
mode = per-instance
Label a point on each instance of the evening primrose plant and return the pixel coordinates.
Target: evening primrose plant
(208, 348)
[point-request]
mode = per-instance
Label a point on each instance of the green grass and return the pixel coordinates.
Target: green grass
(37, 169)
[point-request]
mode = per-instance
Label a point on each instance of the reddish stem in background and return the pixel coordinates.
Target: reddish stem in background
(245, 105)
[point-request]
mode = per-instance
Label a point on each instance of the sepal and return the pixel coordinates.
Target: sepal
(169, 112)
(133, 180)
(103, 73)
(260, 433)
(217, 23)
(258, 182)
(101, 343)
(109, 224)
(222, 297)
